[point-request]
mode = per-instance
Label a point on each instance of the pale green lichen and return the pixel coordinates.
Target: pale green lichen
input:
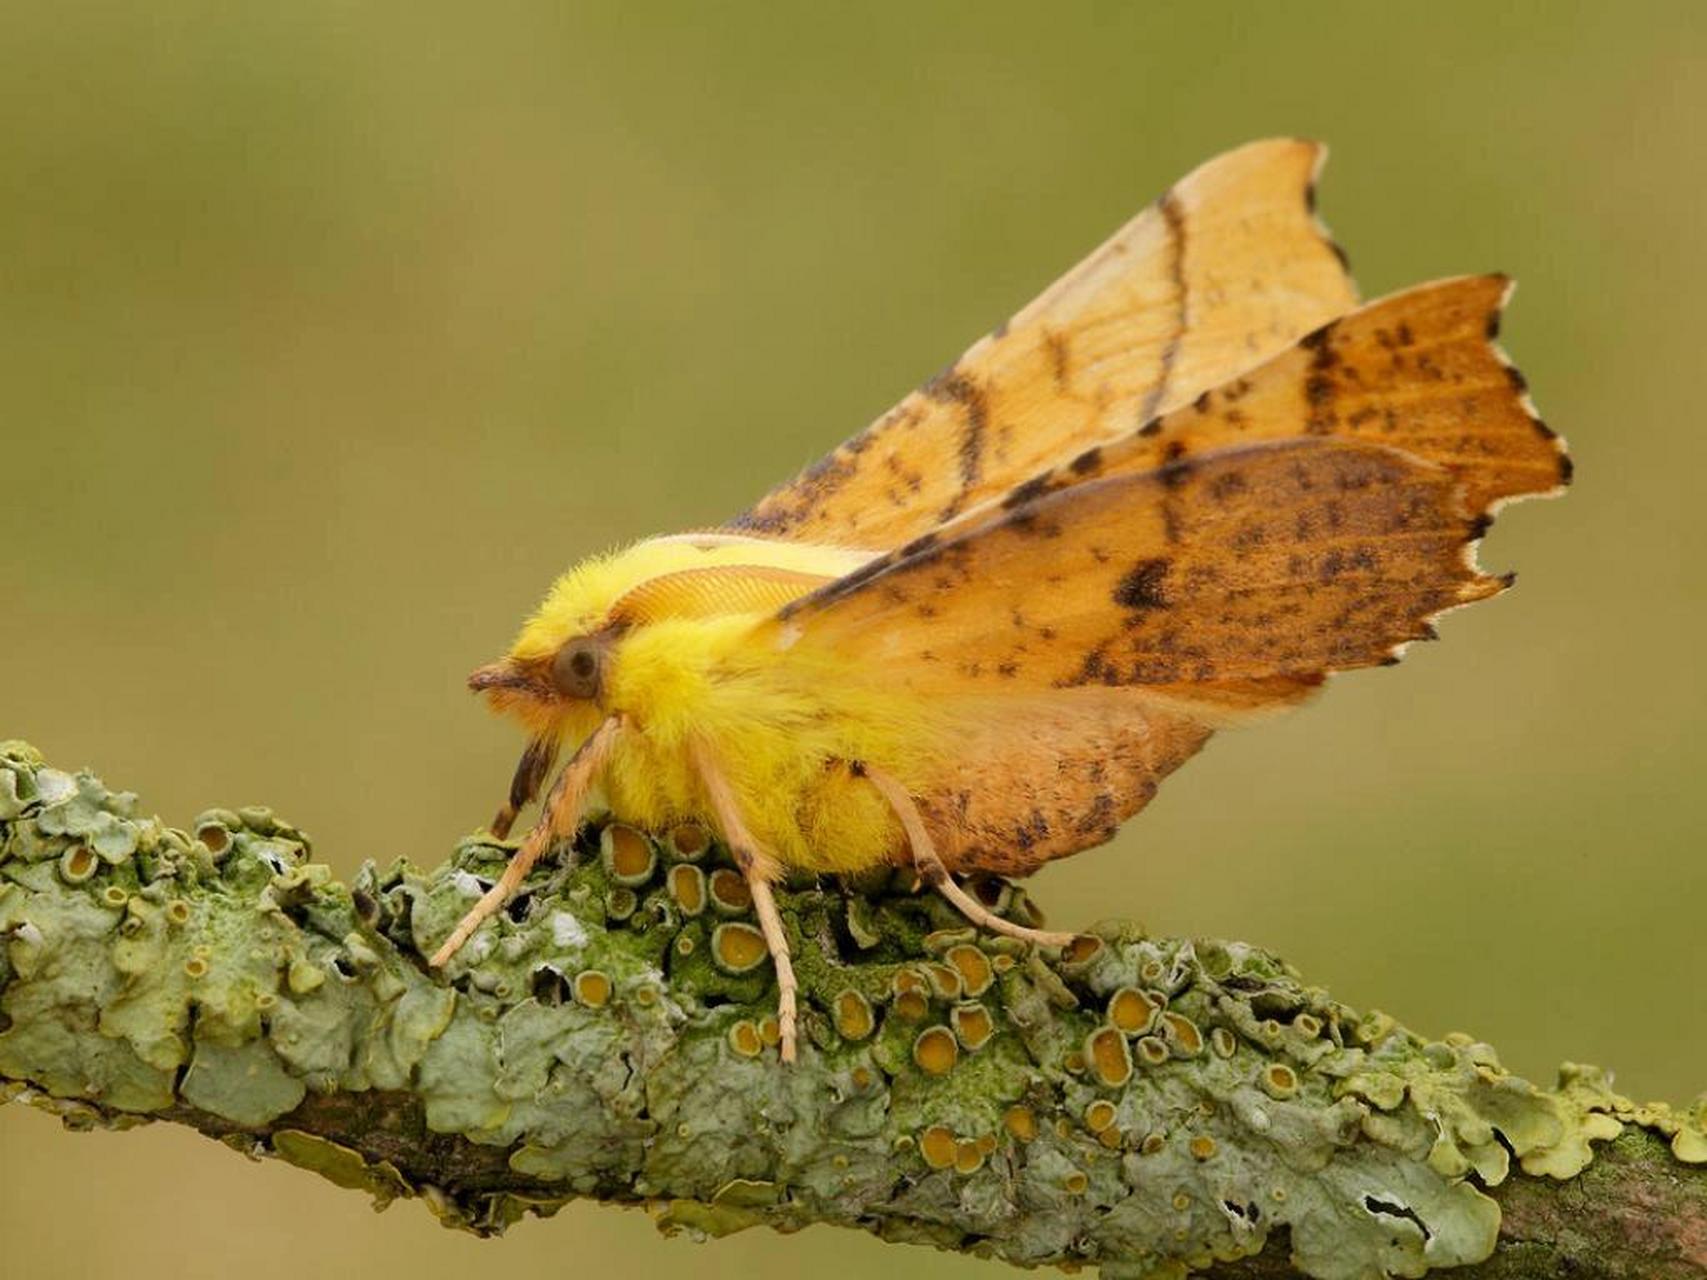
(340, 1164)
(1149, 1105)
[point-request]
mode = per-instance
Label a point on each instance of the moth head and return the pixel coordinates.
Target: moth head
(559, 671)
(543, 688)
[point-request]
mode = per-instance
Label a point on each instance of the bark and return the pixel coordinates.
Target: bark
(1150, 1105)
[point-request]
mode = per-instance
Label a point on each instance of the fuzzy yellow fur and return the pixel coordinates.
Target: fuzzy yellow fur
(785, 724)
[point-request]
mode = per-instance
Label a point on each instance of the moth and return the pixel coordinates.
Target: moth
(1173, 493)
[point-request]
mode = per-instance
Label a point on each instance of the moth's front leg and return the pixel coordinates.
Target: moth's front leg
(935, 873)
(760, 869)
(564, 808)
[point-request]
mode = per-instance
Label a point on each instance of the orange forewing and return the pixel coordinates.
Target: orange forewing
(1229, 267)
(1259, 561)
(1416, 371)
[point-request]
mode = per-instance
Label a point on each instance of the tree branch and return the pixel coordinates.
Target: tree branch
(1150, 1105)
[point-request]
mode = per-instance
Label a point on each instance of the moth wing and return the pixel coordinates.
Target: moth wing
(1227, 268)
(1036, 778)
(1409, 391)
(1417, 371)
(1246, 563)
(1099, 633)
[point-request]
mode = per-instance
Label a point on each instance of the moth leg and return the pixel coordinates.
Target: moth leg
(760, 869)
(531, 769)
(935, 873)
(561, 816)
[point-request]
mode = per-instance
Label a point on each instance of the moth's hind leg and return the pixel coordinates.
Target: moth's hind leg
(561, 816)
(760, 869)
(935, 873)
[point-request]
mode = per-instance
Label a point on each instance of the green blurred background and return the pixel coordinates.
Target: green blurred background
(330, 332)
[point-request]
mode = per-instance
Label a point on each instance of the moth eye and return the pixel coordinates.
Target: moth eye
(575, 670)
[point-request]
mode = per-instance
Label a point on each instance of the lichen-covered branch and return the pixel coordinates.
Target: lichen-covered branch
(1153, 1106)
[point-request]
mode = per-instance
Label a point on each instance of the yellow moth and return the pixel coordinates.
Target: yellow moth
(1178, 489)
